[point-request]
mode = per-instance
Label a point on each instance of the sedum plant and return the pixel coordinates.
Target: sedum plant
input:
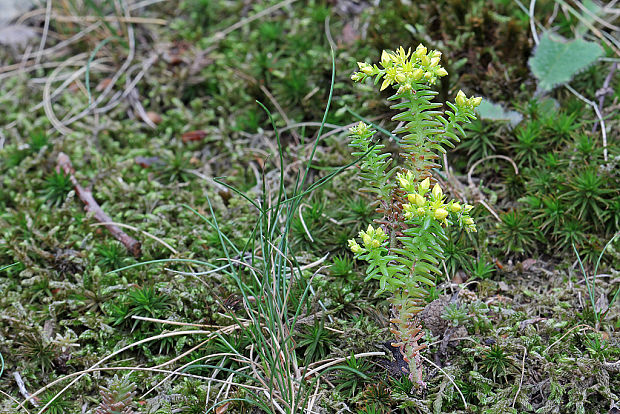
(405, 248)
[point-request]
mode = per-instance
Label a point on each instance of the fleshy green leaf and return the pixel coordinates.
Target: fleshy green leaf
(556, 60)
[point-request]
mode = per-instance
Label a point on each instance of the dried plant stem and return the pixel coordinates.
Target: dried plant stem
(91, 205)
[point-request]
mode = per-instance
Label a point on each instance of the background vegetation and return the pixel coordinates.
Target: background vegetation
(153, 100)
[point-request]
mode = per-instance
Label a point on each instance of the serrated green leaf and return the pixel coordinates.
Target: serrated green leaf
(556, 60)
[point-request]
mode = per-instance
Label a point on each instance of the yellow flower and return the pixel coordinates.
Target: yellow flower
(437, 193)
(440, 214)
(386, 59)
(355, 248)
(420, 51)
(455, 207)
(461, 99)
(424, 185)
(416, 199)
(417, 74)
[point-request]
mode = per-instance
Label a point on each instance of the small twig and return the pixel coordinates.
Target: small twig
(146, 233)
(133, 20)
(280, 111)
(46, 26)
(598, 115)
(532, 21)
(521, 380)
(303, 223)
(15, 401)
(91, 205)
(339, 360)
(328, 34)
(567, 332)
(223, 33)
(447, 376)
(473, 187)
(23, 391)
(604, 91)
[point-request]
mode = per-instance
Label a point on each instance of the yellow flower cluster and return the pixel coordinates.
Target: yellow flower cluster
(465, 102)
(434, 205)
(403, 68)
(372, 239)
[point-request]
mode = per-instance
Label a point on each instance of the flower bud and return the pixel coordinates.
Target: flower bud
(475, 101)
(416, 199)
(440, 214)
(421, 211)
(467, 208)
(375, 243)
(357, 76)
(366, 239)
(424, 185)
(437, 193)
(400, 78)
(417, 74)
(441, 72)
(355, 248)
(385, 59)
(420, 51)
(434, 62)
(455, 207)
(425, 61)
(468, 221)
(461, 99)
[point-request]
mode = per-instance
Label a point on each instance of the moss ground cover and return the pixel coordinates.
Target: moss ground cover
(245, 285)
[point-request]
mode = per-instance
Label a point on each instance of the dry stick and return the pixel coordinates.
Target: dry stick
(521, 380)
(567, 332)
(22, 389)
(280, 110)
(65, 42)
(223, 33)
(15, 401)
(94, 106)
(605, 90)
(146, 233)
(46, 26)
(47, 97)
(598, 114)
(132, 20)
(91, 204)
(73, 77)
(473, 187)
(449, 378)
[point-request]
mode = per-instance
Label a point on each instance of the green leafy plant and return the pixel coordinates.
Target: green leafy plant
(315, 341)
(406, 247)
(515, 233)
(117, 397)
(350, 379)
(480, 268)
(57, 186)
(454, 314)
(495, 361)
(58, 405)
